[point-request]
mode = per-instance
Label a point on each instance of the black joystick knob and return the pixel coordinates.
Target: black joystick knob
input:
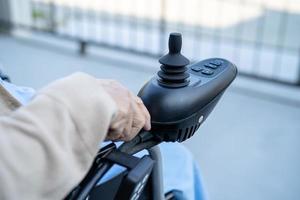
(173, 69)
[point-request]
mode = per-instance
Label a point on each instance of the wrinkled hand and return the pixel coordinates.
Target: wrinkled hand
(131, 115)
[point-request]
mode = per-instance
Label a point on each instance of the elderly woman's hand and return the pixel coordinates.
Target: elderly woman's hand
(131, 115)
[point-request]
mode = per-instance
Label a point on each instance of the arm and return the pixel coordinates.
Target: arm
(47, 147)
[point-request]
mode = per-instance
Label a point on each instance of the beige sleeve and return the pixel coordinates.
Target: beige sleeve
(47, 147)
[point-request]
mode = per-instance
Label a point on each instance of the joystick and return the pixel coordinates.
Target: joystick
(173, 69)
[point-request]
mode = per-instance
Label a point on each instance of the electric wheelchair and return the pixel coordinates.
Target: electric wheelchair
(179, 98)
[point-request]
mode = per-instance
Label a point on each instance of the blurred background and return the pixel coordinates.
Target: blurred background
(249, 147)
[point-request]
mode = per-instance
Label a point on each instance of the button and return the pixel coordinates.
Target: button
(207, 72)
(196, 68)
(211, 66)
(216, 62)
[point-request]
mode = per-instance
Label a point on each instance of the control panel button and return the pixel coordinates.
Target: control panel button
(196, 68)
(207, 72)
(211, 66)
(216, 62)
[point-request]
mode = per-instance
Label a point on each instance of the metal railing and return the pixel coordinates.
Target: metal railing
(261, 37)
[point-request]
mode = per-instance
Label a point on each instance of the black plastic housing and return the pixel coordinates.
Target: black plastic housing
(176, 113)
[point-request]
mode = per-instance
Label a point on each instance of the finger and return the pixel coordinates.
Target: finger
(116, 129)
(129, 135)
(118, 124)
(146, 113)
(114, 135)
(138, 120)
(128, 126)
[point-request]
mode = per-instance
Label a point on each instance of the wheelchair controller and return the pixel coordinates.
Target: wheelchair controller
(179, 99)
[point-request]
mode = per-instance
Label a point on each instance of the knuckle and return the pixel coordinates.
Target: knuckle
(135, 131)
(139, 101)
(113, 127)
(139, 121)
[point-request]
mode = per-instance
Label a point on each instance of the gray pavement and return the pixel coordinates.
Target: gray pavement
(247, 149)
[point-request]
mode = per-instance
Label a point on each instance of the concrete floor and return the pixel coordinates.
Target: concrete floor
(247, 149)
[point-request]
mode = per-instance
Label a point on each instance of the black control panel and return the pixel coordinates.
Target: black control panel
(210, 67)
(182, 95)
(206, 70)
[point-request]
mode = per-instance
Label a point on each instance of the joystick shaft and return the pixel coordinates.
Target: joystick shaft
(173, 69)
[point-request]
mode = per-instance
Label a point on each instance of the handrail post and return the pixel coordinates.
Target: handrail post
(5, 15)
(162, 28)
